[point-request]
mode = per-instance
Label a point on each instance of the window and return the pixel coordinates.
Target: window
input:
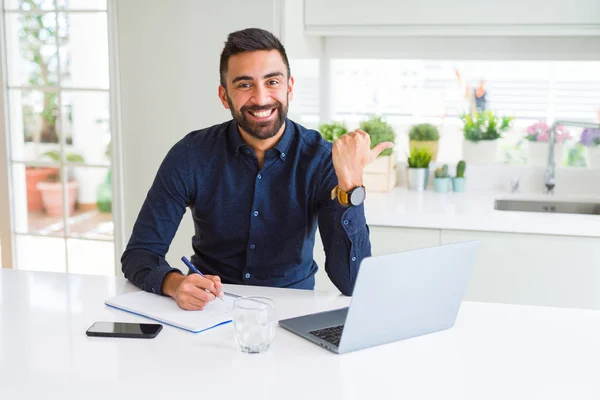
(304, 107)
(60, 134)
(406, 92)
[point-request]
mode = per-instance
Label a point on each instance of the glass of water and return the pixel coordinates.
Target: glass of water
(254, 323)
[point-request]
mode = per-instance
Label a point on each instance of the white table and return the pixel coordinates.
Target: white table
(494, 351)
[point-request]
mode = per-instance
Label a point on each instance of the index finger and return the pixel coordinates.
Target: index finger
(217, 281)
(204, 283)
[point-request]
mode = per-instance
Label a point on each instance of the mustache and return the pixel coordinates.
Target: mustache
(260, 108)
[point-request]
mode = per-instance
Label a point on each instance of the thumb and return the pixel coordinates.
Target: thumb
(375, 151)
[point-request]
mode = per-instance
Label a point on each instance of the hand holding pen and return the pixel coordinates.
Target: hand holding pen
(217, 289)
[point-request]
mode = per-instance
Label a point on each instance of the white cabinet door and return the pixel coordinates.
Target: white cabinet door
(384, 240)
(545, 270)
(473, 17)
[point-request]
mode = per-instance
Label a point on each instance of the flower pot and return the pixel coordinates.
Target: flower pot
(380, 175)
(417, 178)
(538, 153)
(441, 185)
(33, 176)
(593, 155)
(482, 152)
(52, 197)
(458, 184)
(431, 145)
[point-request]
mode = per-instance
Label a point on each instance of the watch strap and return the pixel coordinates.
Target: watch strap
(342, 196)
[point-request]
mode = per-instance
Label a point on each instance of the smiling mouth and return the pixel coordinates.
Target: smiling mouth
(262, 114)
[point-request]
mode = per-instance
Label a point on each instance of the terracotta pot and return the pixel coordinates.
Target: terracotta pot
(32, 177)
(52, 196)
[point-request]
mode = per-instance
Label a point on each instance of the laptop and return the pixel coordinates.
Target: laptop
(396, 296)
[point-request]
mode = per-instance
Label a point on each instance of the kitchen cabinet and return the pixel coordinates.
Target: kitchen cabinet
(457, 17)
(515, 268)
(543, 270)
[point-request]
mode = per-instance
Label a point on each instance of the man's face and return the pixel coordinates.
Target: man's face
(258, 92)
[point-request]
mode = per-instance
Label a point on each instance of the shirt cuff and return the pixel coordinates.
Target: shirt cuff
(154, 279)
(353, 219)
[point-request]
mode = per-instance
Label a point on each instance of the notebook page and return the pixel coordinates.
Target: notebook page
(165, 309)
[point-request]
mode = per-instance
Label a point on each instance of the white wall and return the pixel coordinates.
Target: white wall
(169, 63)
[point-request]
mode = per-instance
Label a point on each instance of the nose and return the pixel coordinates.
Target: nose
(261, 95)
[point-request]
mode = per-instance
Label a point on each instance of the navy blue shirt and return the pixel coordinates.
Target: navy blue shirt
(252, 226)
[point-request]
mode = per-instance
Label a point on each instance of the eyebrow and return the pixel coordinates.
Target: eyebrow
(249, 78)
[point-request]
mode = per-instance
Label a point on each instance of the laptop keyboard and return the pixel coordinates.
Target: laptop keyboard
(331, 334)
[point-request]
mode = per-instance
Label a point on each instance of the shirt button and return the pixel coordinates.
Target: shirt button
(353, 258)
(247, 276)
(252, 246)
(259, 176)
(282, 155)
(345, 222)
(247, 151)
(256, 213)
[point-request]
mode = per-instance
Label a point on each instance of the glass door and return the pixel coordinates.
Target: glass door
(59, 135)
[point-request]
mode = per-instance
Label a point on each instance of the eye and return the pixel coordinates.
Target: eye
(243, 86)
(273, 82)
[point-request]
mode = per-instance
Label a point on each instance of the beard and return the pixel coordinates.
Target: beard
(260, 130)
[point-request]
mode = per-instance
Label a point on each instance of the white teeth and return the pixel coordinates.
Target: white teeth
(261, 114)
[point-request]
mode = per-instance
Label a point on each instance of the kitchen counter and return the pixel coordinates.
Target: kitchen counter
(493, 352)
(474, 211)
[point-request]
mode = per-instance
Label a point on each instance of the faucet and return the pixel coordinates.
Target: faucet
(550, 172)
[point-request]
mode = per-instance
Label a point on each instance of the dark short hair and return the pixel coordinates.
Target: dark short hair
(251, 39)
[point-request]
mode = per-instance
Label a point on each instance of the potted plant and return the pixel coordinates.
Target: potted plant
(34, 175)
(380, 175)
(333, 131)
(590, 138)
(418, 168)
(459, 181)
(425, 135)
(481, 131)
(538, 135)
(51, 190)
(441, 182)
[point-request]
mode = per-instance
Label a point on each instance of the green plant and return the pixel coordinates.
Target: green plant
(37, 30)
(55, 155)
(332, 131)
(424, 132)
(420, 157)
(442, 172)
(460, 169)
(484, 126)
(379, 131)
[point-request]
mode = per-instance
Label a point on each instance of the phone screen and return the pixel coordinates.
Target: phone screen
(124, 329)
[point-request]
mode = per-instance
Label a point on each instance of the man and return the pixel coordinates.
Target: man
(256, 186)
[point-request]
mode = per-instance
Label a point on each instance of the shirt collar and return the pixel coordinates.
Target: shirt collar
(282, 146)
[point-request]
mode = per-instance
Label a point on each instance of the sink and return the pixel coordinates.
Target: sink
(548, 206)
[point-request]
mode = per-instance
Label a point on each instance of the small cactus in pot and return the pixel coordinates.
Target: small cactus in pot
(459, 181)
(441, 182)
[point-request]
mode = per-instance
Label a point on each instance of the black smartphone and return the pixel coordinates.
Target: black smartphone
(124, 330)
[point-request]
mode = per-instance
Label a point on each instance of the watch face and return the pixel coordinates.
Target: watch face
(358, 196)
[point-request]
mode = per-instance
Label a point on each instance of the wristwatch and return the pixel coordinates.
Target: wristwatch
(354, 197)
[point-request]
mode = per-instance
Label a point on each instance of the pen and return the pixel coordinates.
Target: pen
(194, 269)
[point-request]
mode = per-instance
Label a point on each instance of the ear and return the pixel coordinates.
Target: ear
(223, 97)
(291, 88)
